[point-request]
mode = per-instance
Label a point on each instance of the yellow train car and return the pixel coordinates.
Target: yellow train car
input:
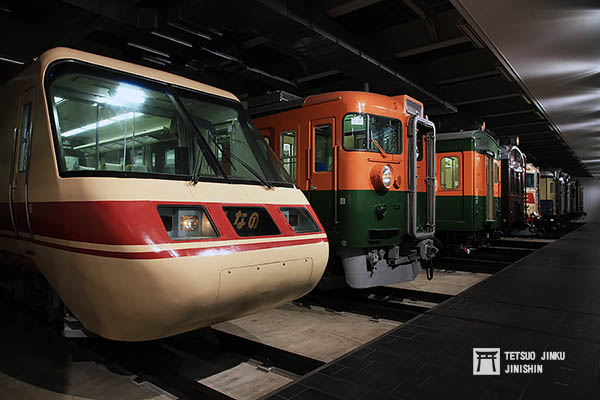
(148, 201)
(549, 204)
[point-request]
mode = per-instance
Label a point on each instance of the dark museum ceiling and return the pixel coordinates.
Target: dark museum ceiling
(468, 67)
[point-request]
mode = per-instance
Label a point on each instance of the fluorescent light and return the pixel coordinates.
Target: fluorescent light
(154, 60)
(190, 30)
(11, 60)
(101, 124)
(125, 95)
(148, 49)
(222, 55)
(172, 39)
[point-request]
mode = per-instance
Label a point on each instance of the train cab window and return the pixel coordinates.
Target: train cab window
(25, 136)
(111, 123)
(323, 148)
(551, 187)
(288, 152)
(361, 130)
(450, 173)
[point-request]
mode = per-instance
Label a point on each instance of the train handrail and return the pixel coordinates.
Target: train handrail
(11, 181)
(27, 169)
(412, 178)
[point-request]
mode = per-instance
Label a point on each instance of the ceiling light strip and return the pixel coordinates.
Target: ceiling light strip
(11, 61)
(148, 49)
(172, 39)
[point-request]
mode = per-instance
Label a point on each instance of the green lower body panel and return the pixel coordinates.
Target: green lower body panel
(368, 232)
(363, 218)
(466, 214)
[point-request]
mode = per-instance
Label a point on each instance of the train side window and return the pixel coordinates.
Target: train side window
(323, 148)
(450, 173)
(496, 172)
(25, 137)
(530, 180)
(288, 152)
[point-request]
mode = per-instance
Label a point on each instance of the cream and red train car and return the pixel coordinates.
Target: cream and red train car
(532, 192)
(149, 202)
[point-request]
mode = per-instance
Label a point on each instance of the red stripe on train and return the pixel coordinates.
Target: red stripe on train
(175, 253)
(126, 222)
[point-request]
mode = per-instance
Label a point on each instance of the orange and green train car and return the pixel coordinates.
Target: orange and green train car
(367, 165)
(468, 188)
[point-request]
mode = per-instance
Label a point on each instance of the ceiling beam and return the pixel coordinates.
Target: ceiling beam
(424, 16)
(283, 9)
(254, 42)
(120, 11)
(490, 98)
(349, 7)
(431, 47)
(466, 78)
(522, 125)
(509, 113)
(318, 75)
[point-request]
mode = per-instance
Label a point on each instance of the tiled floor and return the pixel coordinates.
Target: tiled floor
(548, 301)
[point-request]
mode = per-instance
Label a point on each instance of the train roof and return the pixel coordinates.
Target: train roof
(64, 53)
(480, 141)
(457, 135)
(279, 101)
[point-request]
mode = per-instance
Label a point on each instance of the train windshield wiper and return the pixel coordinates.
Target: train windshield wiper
(383, 153)
(212, 133)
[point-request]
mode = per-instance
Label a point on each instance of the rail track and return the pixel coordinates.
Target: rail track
(178, 365)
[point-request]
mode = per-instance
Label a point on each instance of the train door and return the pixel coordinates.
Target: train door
(20, 206)
(421, 175)
(321, 170)
(288, 152)
(489, 188)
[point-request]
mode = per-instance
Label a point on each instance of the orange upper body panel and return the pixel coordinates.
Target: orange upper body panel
(352, 169)
(473, 176)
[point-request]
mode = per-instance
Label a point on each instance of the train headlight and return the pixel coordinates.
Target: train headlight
(382, 177)
(189, 222)
(386, 176)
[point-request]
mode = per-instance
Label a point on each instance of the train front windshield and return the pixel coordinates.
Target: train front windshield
(366, 131)
(108, 123)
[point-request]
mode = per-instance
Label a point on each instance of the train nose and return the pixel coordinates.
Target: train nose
(244, 290)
